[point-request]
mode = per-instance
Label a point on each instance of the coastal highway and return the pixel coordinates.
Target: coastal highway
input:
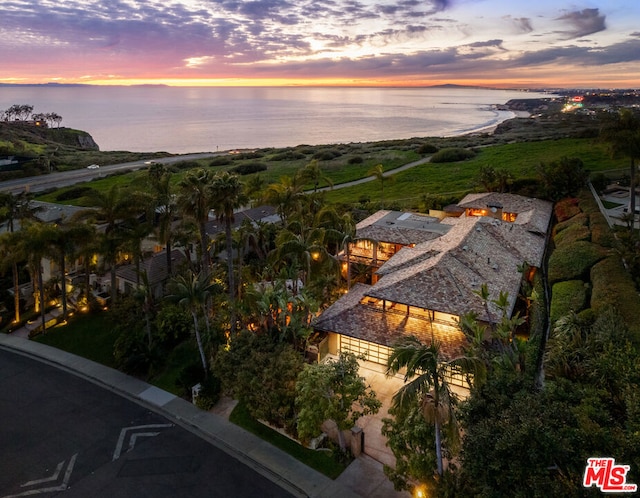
(65, 178)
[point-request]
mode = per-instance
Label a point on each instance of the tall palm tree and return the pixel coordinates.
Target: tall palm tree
(286, 196)
(300, 244)
(313, 173)
(426, 384)
(192, 291)
(378, 172)
(111, 209)
(227, 195)
(11, 255)
(14, 208)
(165, 206)
(194, 201)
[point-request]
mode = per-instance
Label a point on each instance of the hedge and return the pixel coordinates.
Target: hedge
(613, 286)
(572, 234)
(568, 296)
(573, 261)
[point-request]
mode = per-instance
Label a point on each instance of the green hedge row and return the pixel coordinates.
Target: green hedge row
(613, 286)
(573, 261)
(568, 296)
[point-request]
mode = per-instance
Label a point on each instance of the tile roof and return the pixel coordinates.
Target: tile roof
(261, 213)
(400, 228)
(348, 317)
(443, 274)
(533, 214)
(155, 266)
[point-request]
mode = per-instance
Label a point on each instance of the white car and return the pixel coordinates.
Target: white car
(93, 166)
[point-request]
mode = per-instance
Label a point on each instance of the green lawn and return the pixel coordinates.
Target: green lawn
(88, 335)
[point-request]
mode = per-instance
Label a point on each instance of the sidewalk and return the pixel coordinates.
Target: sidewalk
(364, 477)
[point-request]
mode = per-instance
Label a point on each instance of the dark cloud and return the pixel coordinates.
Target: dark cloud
(583, 22)
(522, 24)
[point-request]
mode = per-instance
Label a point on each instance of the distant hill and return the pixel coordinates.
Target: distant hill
(24, 137)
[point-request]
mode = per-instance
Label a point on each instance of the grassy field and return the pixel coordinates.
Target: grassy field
(354, 161)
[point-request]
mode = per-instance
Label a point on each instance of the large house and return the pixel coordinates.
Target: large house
(427, 273)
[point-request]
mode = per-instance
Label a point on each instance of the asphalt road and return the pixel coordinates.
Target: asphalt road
(62, 435)
(66, 178)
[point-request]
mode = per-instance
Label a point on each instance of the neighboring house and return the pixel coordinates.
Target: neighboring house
(264, 214)
(433, 273)
(156, 269)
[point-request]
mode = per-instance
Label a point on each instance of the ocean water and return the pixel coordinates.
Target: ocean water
(197, 119)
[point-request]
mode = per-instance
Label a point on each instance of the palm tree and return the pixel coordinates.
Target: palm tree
(194, 201)
(111, 208)
(378, 172)
(192, 291)
(12, 209)
(313, 173)
(426, 383)
(286, 196)
(164, 206)
(227, 196)
(11, 255)
(301, 244)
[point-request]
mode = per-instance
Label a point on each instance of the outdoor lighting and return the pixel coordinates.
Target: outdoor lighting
(420, 492)
(315, 256)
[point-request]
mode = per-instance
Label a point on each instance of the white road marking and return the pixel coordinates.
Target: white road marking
(63, 486)
(123, 434)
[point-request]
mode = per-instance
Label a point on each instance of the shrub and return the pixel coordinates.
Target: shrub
(74, 193)
(573, 261)
(355, 160)
(327, 154)
(614, 287)
(209, 393)
(567, 296)
(249, 168)
(580, 219)
(451, 155)
(289, 155)
(427, 149)
(600, 232)
(572, 233)
(220, 161)
(566, 208)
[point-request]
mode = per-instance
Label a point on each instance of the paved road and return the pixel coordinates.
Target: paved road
(66, 178)
(64, 435)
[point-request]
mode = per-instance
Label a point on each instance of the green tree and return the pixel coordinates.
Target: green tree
(378, 172)
(194, 202)
(312, 173)
(227, 196)
(192, 291)
(333, 391)
(165, 207)
(426, 385)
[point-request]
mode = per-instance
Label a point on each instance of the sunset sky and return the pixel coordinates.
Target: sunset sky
(502, 43)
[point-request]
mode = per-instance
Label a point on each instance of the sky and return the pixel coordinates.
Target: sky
(498, 43)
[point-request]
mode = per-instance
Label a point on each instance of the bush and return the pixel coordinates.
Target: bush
(614, 287)
(220, 161)
(567, 296)
(74, 193)
(572, 233)
(209, 393)
(573, 261)
(289, 155)
(249, 168)
(427, 149)
(452, 155)
(355, 160)
(327, 155)
(566, 208)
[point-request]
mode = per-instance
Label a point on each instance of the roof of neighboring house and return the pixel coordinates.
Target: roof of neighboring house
(400, 228)
(533, 214)
(265, 214)
(348, 316)
(155, 267)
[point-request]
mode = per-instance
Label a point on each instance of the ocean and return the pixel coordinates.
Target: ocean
(206, 119)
